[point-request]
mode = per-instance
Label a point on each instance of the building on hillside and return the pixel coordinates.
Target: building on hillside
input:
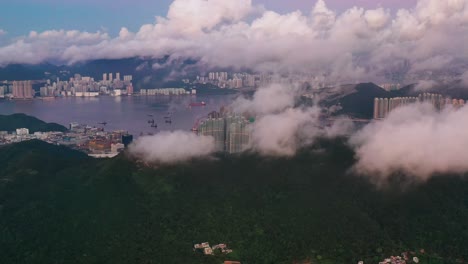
(383, 106)
(214, 127)
(237, 134)
(230, 132)
(22, 131)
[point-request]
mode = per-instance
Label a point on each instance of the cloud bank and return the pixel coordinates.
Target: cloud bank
(281, 127)
(415, 140)
(357, 44)
(172, 147)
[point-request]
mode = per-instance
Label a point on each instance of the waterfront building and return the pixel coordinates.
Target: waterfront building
(22, 90)
(130, 89)
(164, 91)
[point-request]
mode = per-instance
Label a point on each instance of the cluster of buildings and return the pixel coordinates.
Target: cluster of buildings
(403, 259)
(167, 91)
(85, 86)
(17, 89)
(80, 86)
(390, 86)
(94, 141)
(22, 90)
(383, 106)
(207, 250)
(248, 80)
(230, 131)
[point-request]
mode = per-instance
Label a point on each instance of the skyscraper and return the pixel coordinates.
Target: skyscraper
(130, 89)
(22, 90)
(110, 77)
(231, 133)
(214, 127)
(376, 108)
(104, 77)
(117, 76)
(237, 134)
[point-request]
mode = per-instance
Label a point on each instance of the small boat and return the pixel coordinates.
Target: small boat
(197, 104)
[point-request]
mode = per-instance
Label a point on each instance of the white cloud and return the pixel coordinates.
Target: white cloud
(415, 140)
(357, 44)
(271, 99)
(281, 128)
(172, 147)
(424, 85)
(377, 19)
(284, 133)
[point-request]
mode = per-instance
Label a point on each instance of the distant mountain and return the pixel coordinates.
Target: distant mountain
(14, 121)
(59, 206)
(356, 100)
(26, 71)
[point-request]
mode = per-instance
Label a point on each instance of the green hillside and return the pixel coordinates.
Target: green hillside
(14, 121)
(59, 206)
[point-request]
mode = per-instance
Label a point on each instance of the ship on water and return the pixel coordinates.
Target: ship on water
(197, 104)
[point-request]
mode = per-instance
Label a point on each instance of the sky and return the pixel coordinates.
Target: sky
(408, 41)
(19, 17)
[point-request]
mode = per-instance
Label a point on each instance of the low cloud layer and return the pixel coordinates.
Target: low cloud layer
(415, 140)
(357, 44)
(172, 147)
(281, 128)
(269, 99)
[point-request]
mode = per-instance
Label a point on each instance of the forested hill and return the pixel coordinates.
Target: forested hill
(14, 121)
(59, 206)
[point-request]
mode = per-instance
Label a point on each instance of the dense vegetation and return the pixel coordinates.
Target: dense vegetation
(59, 206)
(14, 121)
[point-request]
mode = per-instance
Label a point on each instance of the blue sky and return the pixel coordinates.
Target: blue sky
(19, 17)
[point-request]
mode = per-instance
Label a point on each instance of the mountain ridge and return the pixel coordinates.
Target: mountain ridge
(268, 210)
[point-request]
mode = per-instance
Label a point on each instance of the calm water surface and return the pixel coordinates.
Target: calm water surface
(127, 113)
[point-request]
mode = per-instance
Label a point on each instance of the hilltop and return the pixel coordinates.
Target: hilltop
(59, 206)
(358, 100)
(14, 121)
